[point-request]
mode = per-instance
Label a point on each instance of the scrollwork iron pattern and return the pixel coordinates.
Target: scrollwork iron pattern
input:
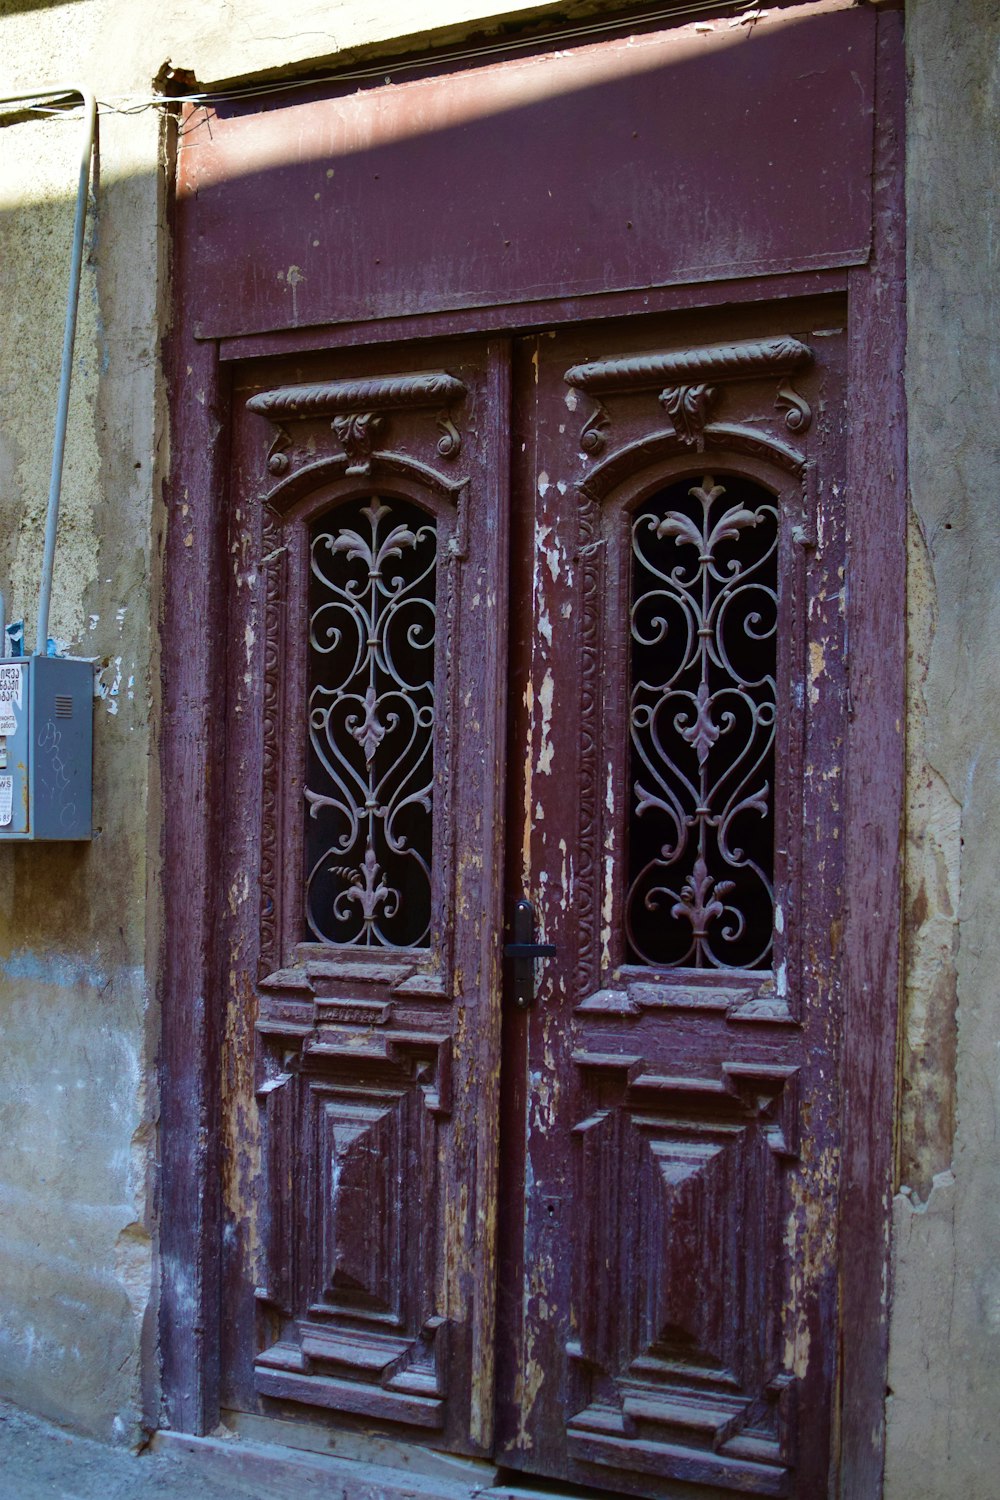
(702, 716)
(371, 713)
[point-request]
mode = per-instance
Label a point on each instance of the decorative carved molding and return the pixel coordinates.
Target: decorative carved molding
(713, 362)
(357, 412)
(656, 447)
(273, 567)
(688, 381)
(277, 455)
(384, 393)
(798, 413)
(332, 468)
(771, 1090)
(594, 432)
(590, 569)
(357, 434)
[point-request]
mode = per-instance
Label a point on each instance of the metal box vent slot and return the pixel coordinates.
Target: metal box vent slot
(64, 706)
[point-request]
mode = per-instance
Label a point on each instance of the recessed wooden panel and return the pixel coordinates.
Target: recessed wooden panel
(361, 1148)
(350, 1192)
(678, 1288)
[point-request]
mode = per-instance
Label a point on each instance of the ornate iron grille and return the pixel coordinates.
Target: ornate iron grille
(369, 774)
(702, 716)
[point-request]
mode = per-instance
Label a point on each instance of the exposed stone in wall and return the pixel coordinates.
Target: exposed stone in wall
(929, 1023)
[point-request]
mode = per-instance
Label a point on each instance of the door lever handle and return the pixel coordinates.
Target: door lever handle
(524, 951)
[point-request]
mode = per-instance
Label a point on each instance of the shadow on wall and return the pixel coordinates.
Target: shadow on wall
(77, 1035)
(25, 7)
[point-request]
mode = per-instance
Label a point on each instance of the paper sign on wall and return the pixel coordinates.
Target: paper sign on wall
(10, 697)
(6, 800)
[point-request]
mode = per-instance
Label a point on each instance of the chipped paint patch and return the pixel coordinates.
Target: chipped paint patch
(529, 703)
(546, 750)
(817, 665)
(109, 684)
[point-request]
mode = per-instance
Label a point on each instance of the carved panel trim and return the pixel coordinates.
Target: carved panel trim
(273, 565)
(357, 409)
(709, 363)
(590, 573)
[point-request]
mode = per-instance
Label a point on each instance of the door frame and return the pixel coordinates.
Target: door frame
(191, 749)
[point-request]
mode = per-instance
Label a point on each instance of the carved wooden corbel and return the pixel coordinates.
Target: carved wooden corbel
(688, 382)
(358, 412)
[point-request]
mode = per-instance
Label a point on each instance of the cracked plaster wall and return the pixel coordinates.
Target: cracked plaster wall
(944, 1375)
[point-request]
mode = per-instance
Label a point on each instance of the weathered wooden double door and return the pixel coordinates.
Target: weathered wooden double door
(553, 619)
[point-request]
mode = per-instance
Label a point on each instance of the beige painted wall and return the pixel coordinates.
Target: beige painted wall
(77, 1017)
(944, 1434)
(76, 1031)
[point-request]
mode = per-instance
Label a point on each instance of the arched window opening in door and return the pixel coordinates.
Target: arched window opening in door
(703, 617)
(371, 712)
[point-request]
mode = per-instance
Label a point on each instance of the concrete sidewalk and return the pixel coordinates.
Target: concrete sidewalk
(42, 1462)
(39, 1461)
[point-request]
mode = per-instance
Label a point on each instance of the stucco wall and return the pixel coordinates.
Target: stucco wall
(944, 1376)
(76, 1081)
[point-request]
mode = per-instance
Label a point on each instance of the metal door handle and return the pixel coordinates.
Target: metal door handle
(524, 951)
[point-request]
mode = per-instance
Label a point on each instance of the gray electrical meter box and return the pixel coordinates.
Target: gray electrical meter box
(46, 747)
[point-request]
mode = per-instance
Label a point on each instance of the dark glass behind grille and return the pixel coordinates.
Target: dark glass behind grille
(702, 717)
(369, 773)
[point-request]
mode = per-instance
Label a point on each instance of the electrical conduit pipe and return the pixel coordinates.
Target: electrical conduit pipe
(89, 102)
